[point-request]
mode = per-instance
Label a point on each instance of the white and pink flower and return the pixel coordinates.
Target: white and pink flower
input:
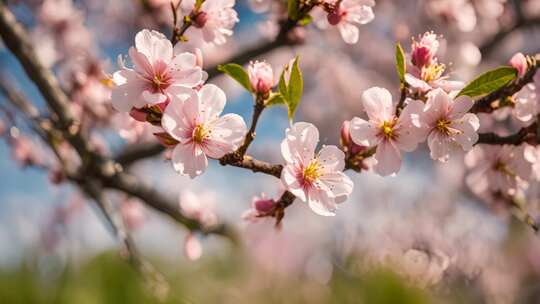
(448, 125)
(157, 71)
(213, 21)
(385, 130)
(261, 77)
(498, 168)
(193, 119)
(347, 14)
(261, 206)
(316, 179)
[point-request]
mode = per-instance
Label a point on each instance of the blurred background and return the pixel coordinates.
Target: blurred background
(419, 237)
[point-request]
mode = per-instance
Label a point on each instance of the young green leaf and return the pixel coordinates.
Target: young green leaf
(237, 73)
(489, 81)
(307, 19)
(292, 8)
(282, 85)
(295, 88)
(275, 99)
(400, 63)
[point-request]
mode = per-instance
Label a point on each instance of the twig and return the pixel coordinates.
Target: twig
(94, 165)
(527, 134)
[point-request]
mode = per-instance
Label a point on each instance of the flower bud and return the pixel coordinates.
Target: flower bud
(192, 247)
(423, 51)
(346, 139)
(519, 62)
(261, 77)
(264, 206)
(132, 213)
(334, 17)
(200, 20)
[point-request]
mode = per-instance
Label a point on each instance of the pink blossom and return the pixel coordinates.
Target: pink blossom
(347, 141)
(213, 21)
(157, 72)
(385, 130)
(261, 77)
(448, 124)
(133, 214)
(519, 62)
(526, 104)
(498, 168)
(199, 206)
(532, 155)
(193, 119)
(347, 13)
(314, 178)
(192, 247)
(260, 207)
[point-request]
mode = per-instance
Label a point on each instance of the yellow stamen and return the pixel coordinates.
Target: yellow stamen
(503, 168)
(443, 126)
(312, 172)
(388, 129)
(433, 72)
(199, 134)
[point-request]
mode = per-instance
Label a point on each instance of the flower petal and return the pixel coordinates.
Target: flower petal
(189, 159)
(331, 158)
(378, 104)
(363, 133)
(388, 158)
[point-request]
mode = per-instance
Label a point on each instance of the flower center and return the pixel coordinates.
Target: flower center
(443, 126)
(387, 129)
(200, 133)
(158, 83)
(503, 168)
(312, 172)
(432, 72)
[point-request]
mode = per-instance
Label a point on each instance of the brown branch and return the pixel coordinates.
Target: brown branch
(484, 104)
(527, 134)
(94, 166)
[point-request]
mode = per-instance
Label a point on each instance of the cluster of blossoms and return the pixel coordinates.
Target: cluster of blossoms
(424, 70)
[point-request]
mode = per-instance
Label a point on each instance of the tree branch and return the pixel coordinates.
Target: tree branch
(527, 134)
(484, 104)
(94, 166)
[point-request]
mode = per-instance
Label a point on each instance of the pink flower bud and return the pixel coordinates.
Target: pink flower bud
(346, 140)
(192, 247)
(138, 114)
(200, 20)
(261, 77)
(423, 51)
(334, 17)
(264, 206)
(519, 62)
(132, 214)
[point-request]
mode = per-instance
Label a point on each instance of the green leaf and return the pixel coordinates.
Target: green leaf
(282, 85)
(237, 72)
(489, 81)
(400, 63)
(275, 99)
(295, 88)
(198, 3)
(307, 19)
(292, 8)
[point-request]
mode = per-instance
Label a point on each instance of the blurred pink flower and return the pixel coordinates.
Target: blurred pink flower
(193, 119)
(345, 14)
(199, 206)
(448, 124)
(498, 168)
(261, 77)
(213, 21)
(192, 247)
(260, 207)
(157, 72)
(315, 179)
(532, 155)
(387, 131)
(527, 104)
(133, 213)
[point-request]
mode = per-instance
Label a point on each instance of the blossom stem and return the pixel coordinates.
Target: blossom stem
(527, 134)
